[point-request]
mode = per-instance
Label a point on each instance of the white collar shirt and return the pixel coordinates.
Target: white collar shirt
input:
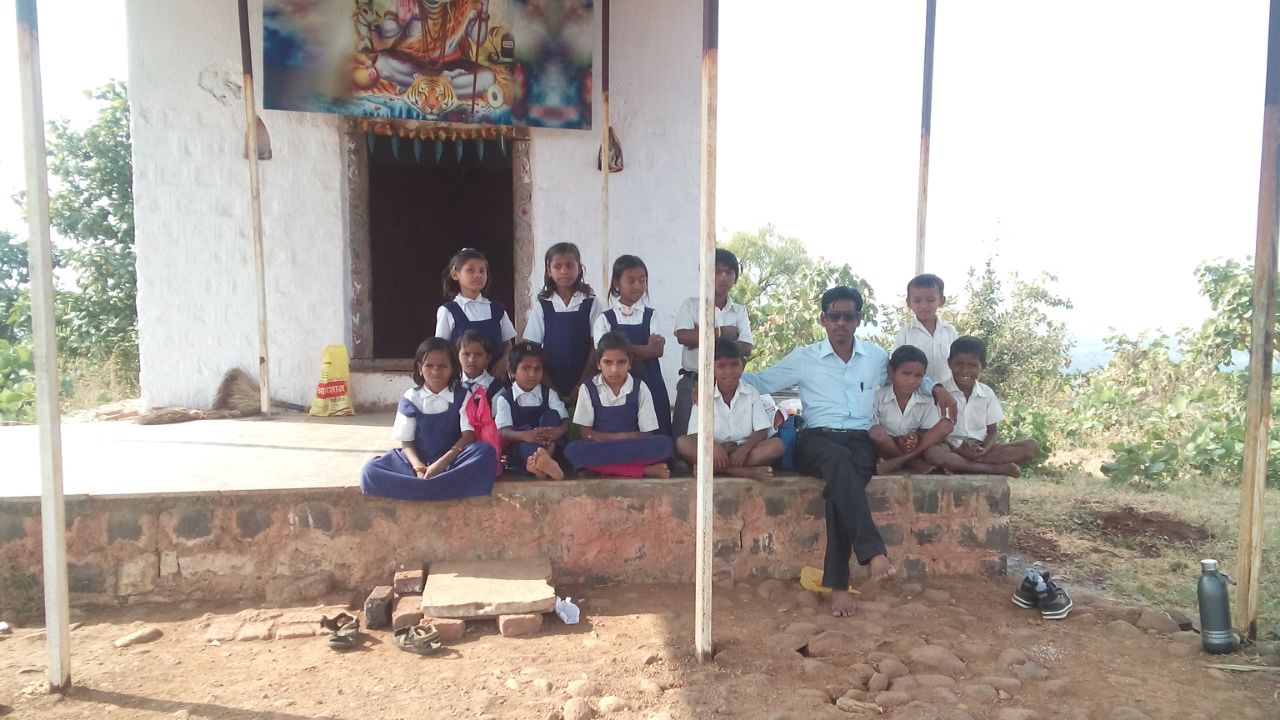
(525, 398)
(620, 311)
(479, 308)
(920, 414)
(736, 420)
(584, 413)
(936, 345)
(535, 328)
(975, 413)
(428, 403)
(732, 314)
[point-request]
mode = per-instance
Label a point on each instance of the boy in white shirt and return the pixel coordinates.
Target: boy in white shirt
(973, 445)
(926, 330)
(906, 422)
(743, 447)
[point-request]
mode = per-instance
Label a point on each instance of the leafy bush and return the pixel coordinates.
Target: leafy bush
(17, 383)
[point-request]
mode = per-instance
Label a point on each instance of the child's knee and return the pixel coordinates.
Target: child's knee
(878, 434)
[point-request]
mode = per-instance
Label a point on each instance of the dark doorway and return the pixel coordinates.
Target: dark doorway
(424, 205)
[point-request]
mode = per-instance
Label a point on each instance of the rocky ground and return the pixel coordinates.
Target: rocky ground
(945, 649)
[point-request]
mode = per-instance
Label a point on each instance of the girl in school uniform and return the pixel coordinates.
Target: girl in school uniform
(438, 458)
(466, 308)
(531, 417)
(561, 318)
(633, 319)
(475, 354)
(616, 421)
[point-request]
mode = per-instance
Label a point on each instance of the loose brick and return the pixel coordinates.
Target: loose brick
(523, 624)
(451, 630)
(377, 608)
(409, 582)
(408, 611)
(296, 630)
(255, 631)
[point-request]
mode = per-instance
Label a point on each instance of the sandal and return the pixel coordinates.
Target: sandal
(419, 639)
(344, 629)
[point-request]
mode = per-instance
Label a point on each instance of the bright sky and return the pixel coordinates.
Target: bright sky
(1114, 143)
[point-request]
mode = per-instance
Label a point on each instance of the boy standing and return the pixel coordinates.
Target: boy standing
(743, 446)
(927, 331)
(731, 324)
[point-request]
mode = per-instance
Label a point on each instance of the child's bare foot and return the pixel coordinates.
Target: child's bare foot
(1010, 469)
(657, 470)
(842, 603)
(888, 467)
(752, 472)
(881, 568)
(531, 466)
(546, 466)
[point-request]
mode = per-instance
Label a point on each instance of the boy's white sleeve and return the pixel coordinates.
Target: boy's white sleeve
(599, 328)
(761, 418)
(684, 316)
(900, 339)
(502, 412)
(583, 413)
(744, 328)
(646, 417)
(995, 413)
(444, 323)
(508, 330)
(931, 416)
(533, 326)
(555, 403)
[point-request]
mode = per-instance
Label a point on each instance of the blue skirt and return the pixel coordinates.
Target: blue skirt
(640, 450)
(470, 474)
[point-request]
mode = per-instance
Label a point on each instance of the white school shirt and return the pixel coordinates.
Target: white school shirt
(732, 313)
(981, 409)
(535, 328)
(477, 309)
(921, 412)
(484, 380)
(736, 420)
(428, 403)
(936, 347)
(525, 398)
(602, 325)
(584, 413)
(770, 409)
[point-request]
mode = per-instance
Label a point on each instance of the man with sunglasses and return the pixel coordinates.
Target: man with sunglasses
(837, 379)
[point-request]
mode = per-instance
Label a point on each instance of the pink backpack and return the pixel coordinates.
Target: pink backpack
(480, 415)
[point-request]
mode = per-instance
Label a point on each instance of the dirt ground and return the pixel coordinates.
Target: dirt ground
(779, 655)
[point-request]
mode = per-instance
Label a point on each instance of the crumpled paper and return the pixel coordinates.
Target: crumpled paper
(567, 611)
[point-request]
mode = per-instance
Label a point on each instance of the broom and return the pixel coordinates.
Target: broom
(240, 393)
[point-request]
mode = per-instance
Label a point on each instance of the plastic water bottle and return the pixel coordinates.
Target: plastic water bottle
(1215, 609)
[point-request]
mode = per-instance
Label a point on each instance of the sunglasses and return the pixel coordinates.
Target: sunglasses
(848, 316)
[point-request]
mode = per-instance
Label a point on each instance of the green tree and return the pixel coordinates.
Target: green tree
(13, 284)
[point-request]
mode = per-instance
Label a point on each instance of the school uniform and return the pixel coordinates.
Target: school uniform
(630, 410)
(433, 422)
(564, 330)
(732, 314)
(921, 412)
(974, 413)
(735, 421)
(936, 346)
(522, 410)
(635, 323)
(492, 385)
(461, 314)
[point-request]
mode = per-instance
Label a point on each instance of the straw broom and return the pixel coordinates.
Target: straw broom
(240, 393)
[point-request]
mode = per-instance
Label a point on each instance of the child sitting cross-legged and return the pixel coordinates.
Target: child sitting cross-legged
(906, 423)
(973, 446)
(742, 443)
(531, 417)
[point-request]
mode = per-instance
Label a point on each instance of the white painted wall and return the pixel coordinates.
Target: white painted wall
(196, 303)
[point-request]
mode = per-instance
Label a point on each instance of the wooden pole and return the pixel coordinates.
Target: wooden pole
(53, 512)
(926, 122)
(255, 205)
(1262, 342)
(603, 288)
(706, 330)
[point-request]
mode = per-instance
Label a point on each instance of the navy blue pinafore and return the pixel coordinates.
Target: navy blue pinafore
(566, 340)
(528, 418)
(492, 328)
(470, 474)
(622, 418)
(650, 371)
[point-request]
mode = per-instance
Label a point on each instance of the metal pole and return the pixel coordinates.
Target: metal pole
(706, 330)
(604, 150)
(926, 121)
(53, 511)
(1258, 402)
(255, 204)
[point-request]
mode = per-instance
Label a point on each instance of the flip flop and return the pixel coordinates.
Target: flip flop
(344, 629)
(419, 639)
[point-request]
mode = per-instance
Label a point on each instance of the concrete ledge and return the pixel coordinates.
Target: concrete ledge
(158, 548)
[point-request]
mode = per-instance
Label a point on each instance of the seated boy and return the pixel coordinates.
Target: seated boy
(906, 423)
(973, 445)
(742, 443)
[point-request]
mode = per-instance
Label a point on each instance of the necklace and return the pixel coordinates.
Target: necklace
(625, 310)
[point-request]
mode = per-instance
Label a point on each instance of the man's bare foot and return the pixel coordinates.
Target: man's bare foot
(546, 465)
(658, 470)
(1010, 469)
(881, 568)
(842, 603)
(752, 472)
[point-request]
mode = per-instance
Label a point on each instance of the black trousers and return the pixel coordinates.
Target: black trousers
(846, 459)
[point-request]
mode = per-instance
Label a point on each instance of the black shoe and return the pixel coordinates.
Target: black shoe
(1054, 602)
(1025, 595)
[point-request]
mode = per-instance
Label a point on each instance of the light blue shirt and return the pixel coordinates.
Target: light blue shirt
(834, 394)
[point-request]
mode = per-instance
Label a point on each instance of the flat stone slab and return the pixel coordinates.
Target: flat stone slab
(488, 588)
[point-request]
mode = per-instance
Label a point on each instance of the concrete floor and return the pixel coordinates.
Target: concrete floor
(122, 458)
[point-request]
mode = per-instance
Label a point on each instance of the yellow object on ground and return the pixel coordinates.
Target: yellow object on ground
(333, 394)
(811, 580)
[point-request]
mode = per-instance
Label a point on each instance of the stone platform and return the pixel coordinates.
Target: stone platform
(219, 509)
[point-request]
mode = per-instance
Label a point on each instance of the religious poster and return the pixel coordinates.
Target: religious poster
(494, 62)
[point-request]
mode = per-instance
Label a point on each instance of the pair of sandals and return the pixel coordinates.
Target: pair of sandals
(420, 639)
(344, 629)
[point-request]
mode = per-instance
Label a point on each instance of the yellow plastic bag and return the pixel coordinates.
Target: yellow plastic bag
(811, 580)
(333, 394)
